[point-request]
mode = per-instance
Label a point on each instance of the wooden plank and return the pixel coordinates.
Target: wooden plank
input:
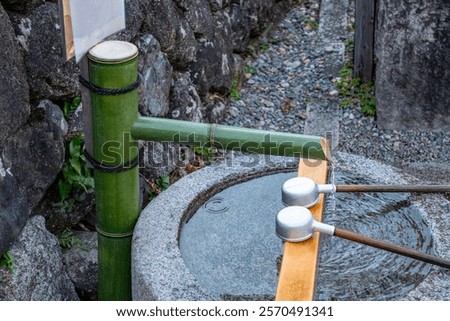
(69, 47)
(298, 268)
(69, 53)
(364, 39)
(87, 109)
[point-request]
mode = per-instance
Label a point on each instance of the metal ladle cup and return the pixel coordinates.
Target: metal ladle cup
(303, 191)
(296, 224)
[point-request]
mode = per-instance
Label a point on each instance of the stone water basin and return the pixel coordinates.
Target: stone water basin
(217, 240)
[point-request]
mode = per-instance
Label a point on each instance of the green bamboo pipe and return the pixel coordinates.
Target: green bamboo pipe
(230, 138)
(112, 65)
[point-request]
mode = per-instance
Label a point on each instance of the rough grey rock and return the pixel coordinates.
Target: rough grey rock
(134, 18)
(215, 108)
(14, 210)
(259, 13)
(82, 265)
(158, 158)
(60, 216)
(215, 105)
(185, 102)
(198, 14)
(36, 153)
(172, 31)
(240, 26)
(76, 121)
(212, 69)
(49, 76)
(55, 115)
(38, 273)
(252, 18)
(218, 4)
(279, 10)
(156, 75)
(14, 102)
(412, 74)
(22, 6)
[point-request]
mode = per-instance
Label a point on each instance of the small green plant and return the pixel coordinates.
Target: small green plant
(346, 71)
(7, 260)
(367, 100)
(160, 184)
(264, 47)
(75, 173)
(68, 240)
(313, 24)
(70, 106)
(355, 92)
(349, 43)
(234, 90)
(206, 153)
(249, 70)
(251, 49)
(275, 40)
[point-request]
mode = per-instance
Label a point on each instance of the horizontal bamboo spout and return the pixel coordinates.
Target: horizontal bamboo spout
(230, 138)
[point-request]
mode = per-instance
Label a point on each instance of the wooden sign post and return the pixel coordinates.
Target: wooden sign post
(85, 23)
(66, 23)
(88, 22)
(364, 39)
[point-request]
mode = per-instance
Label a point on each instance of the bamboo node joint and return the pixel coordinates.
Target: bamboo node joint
(115, 169)
(113, 235)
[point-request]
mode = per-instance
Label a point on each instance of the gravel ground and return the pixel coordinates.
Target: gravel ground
(285, 76)
(291, 72)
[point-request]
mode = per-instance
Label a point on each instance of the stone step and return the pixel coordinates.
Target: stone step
(324, 113)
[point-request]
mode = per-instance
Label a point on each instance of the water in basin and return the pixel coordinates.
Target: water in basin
(230, 244)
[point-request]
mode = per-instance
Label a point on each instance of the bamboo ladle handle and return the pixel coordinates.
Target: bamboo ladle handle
(352, 236)
(394, 188)
(297, 224)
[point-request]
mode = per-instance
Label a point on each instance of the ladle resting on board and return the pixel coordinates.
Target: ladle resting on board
(296, 224)
(303, 191)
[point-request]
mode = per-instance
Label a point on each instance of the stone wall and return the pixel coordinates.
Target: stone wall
(413, 58)
(189, 54)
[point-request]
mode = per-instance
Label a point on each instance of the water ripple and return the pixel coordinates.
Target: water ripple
(352, 271)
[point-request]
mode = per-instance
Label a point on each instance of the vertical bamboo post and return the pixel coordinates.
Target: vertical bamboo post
(113, 65)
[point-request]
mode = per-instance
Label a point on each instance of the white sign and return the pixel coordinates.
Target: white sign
(93, 21)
